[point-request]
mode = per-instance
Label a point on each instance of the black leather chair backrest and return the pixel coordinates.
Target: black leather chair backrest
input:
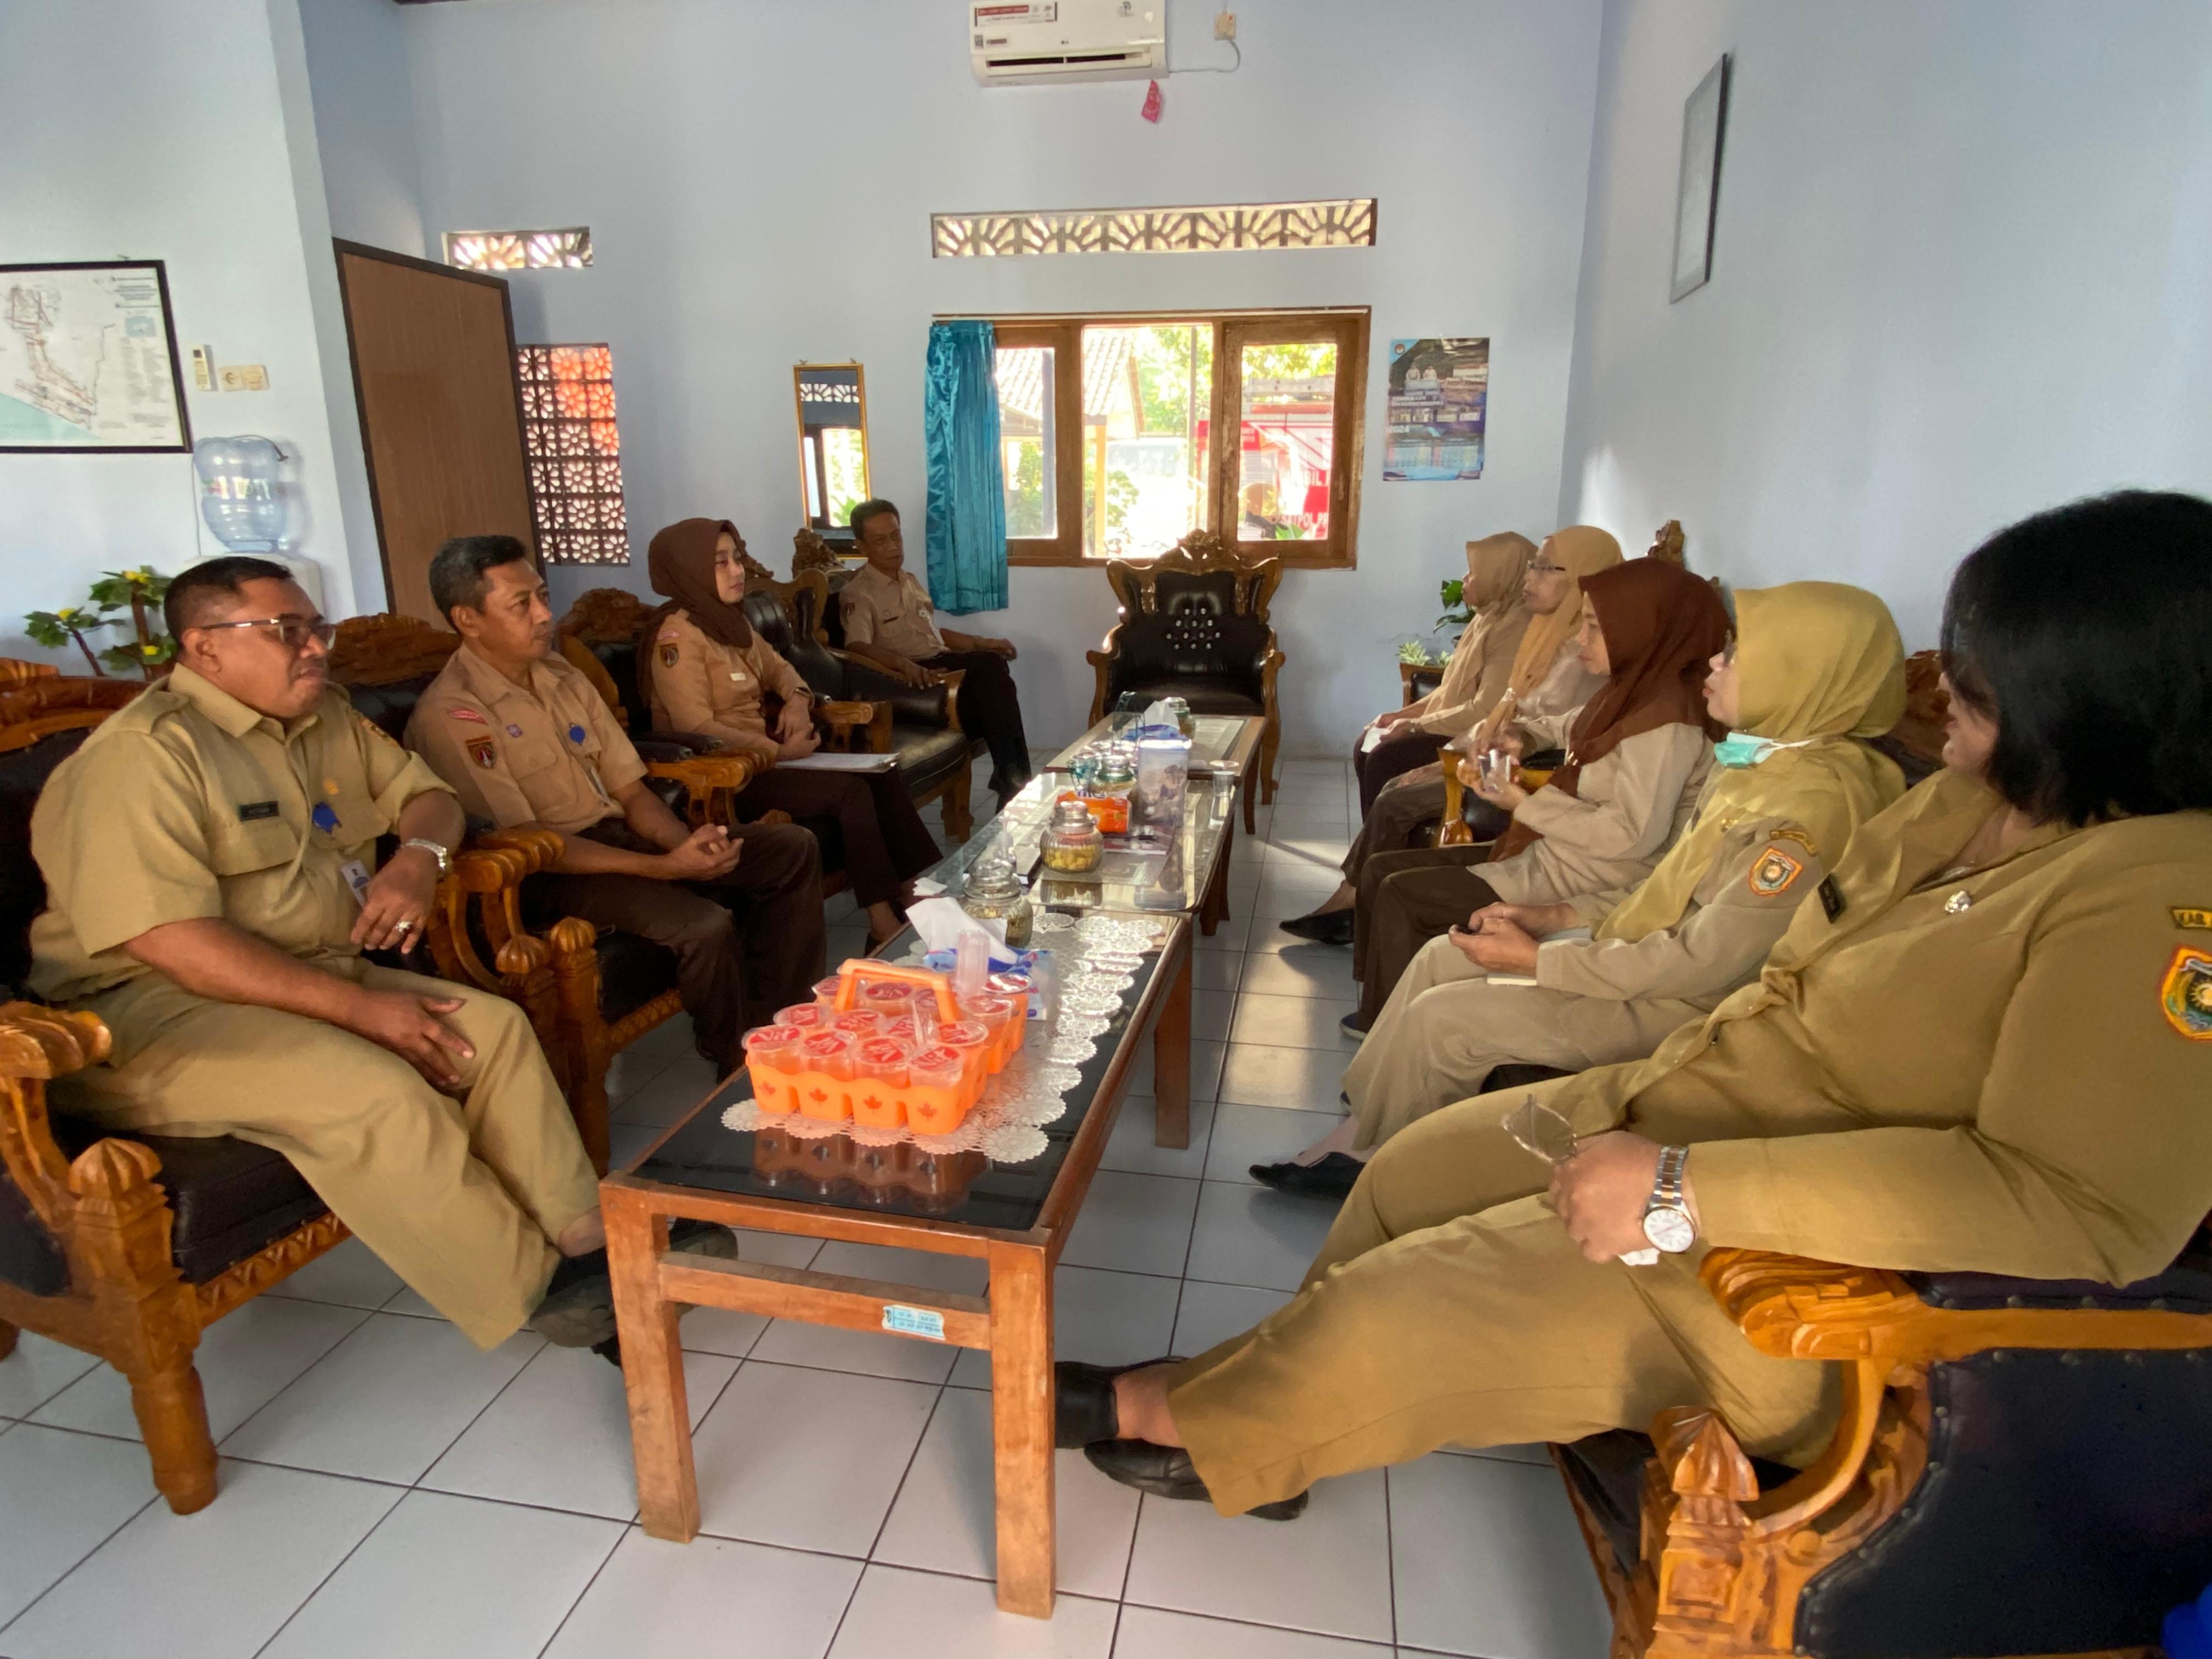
(23, 773)
(620, 660)
(832, 622)
(1212, 592)
(390, 706)
(824, 673)
(1194, 643)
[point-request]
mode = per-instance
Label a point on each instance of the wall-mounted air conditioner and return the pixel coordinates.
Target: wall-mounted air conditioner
(1018, 42)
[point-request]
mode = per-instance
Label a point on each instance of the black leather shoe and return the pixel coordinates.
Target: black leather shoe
(1328, 928)
(1332, 1177)
(1168, 1472)
(1083, 1400)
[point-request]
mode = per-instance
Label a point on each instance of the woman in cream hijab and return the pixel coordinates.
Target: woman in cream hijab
(1541, 675)
(1400, 739)
(1816, 669)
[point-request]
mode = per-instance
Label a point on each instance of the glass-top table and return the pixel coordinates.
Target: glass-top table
(1221, 745)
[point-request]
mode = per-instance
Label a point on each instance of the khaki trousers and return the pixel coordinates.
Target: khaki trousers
(1449, 1307)
(1447, 1026)
(461, 1198)
(1406, 899)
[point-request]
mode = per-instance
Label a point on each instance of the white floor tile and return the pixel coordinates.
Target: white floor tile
(1212, 1314)
(451, 1575)
(1252, 1235)
(1268, 937)
(1328, 1572)
(572, 1399)
(1307, 1079)
(944, 1519)
(213, 1585)
(66, 1494)
(1105, 1318)
(1294, 1022)
(807, 1459)
(1322, 854)
(1152, 1633)
(39, 1370)
(1206, 1059)
(1131, 1146)
(632, 1069)
(384, 1403)
(1209, 1012)
(1245, 1135)
(245, 1359)
(1230, 933)
(1318, 970)
(349, 1275)
(790, 1342)
(1489, 1561)
(1138, 1223)
(673, 1036)
(1215, 970)
(1314, 819)
(920, 1615)
(655, 1600)
(671, 1097)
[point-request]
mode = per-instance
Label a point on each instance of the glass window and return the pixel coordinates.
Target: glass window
(1026, 421)
(1286, 440)
(1147, 390)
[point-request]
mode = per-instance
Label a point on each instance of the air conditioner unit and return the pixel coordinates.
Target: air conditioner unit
(1022, 42)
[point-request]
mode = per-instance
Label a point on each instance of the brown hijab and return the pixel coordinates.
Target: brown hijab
(1662, 626)
(680, 563)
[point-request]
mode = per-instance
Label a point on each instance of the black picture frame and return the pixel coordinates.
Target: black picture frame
(169, 337)
(1698, 184)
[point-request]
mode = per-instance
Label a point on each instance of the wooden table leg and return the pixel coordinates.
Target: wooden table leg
(652, 1373)
(1021, 1426)
(1251, 791)
(1171, 1058)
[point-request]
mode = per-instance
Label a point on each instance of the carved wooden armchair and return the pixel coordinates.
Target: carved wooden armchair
(2021, 1467)
(1193, 624)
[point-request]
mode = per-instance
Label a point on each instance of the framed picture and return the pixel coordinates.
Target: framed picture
(1439, 404)
(88, 360)
(1697, 190)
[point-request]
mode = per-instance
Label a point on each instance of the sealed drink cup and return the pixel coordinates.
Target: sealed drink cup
(996, 1016)
(936, 1097)
(879, 1082)
(825, 991)
(974, 1042)
(807, 1016)
(887, 996)
(826, 1075)
(857, 1023)
(772, 1059)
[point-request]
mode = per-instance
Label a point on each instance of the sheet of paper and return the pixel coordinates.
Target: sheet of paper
(827, 762)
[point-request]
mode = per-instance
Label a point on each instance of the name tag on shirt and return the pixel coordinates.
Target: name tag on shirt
(257, 808)
(356, 875)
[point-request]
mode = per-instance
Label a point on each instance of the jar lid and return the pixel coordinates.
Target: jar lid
(1071, 816)
(993, 877)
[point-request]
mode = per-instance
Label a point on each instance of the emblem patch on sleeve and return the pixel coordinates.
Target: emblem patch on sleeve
(668, 655)
(470, 714)
(2186, 995)
(485, 753)
(2186, 915)
(1773, 872)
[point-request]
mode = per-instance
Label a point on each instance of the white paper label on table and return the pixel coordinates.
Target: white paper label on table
(925, 1323)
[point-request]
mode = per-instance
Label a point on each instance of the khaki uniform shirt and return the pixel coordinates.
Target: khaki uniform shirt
(1762, 871)
(700, 684)
(2007, 1071)
(187, 804)
(895, 614)
(553, 755)
(1631, 804)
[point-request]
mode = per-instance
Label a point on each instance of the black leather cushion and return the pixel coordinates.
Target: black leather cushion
(2185, 1287)
(1426, 680)
(30, 1259)
(1194, 644)
(621, 663)
(22, 890)
(230, 1197)
(390, 706)
(1205, 697)
(1518, 1077)
(928, 755)
(632, 972)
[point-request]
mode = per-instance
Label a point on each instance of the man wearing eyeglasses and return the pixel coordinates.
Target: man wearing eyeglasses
(209, 856)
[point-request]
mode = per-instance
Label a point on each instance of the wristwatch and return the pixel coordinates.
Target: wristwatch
(436, 850)
(1667, 1221)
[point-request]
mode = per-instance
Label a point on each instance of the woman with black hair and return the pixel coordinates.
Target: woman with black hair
(1984, 1046)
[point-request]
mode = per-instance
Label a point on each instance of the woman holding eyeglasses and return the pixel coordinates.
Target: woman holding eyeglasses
(1547, 676)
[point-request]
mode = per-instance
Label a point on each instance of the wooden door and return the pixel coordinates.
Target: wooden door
(433, 352)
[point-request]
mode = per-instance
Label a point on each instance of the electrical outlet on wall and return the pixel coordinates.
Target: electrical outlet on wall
(245, 377)
(1225, 26)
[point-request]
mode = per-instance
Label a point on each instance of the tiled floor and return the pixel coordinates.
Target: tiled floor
(387, 1490)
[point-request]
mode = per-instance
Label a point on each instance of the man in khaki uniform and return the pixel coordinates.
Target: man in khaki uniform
(891, 620)
(207, 858)
(525, 740)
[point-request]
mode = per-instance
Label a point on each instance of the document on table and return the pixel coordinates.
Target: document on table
(826, 762)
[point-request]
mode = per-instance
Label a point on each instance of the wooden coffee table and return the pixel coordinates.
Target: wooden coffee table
(1015, 1218)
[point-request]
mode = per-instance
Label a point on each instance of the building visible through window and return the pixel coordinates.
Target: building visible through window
(575, 454)
(518, 250)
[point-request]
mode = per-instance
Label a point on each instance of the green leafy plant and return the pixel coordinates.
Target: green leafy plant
(1416, 652)
(1451, 593)
(137, 591)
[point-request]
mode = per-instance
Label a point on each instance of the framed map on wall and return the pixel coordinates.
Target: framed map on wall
(88, 360)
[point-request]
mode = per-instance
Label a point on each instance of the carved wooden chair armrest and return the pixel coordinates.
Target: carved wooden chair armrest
(843, 717)
(478, 907)
(38, 1044)
(1101, 668)
(712, 781)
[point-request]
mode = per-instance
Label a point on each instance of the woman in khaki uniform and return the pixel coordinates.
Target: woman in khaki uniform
(1638, 755)
(1545, 675)
(1816, 667)
(701, 668)
(1986, 1047)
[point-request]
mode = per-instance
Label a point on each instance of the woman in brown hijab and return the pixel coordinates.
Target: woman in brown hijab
(1638, 754)
(701, 668)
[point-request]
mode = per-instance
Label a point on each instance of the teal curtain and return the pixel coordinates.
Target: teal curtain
(967, 534)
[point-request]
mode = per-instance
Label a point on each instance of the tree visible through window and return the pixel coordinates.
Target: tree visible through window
(575, 454)
(1165, 412)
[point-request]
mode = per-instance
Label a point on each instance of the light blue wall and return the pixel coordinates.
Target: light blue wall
(1963, 270)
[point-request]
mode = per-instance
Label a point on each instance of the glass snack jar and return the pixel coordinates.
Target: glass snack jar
(1073, 844)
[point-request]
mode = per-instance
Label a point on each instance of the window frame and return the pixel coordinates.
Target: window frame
(1346, 326)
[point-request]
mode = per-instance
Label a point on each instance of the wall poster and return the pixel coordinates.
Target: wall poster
(89, 359)
(1439, 396)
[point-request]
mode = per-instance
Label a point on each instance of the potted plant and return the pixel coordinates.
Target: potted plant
(138, 591)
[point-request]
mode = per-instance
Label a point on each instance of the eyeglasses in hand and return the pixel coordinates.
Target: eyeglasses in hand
(1536, 1128)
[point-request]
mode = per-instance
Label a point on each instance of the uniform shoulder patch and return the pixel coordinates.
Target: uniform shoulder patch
(669, 633)
(2185, 995)
(484, 752)
(1773, 872)
(2188, 915)
(1791, 832)
(460, 712)
(376, 730)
